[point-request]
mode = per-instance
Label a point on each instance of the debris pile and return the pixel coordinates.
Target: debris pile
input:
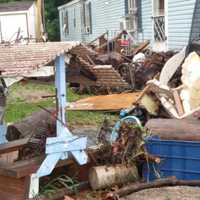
(110, 67)
(167, 105)
(158, 94)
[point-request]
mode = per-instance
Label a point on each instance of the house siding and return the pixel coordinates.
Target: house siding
(12, 21)
(146, 32)
(9, 29)
(195, 31)
(74, 31)
(106, 15)
(32, 21)
(180, 15)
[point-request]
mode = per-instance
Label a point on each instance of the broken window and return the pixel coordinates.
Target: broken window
(87, 18)
(65, 19)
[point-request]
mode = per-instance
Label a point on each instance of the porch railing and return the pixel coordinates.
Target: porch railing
(159, 28)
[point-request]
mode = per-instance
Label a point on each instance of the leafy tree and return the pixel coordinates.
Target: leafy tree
(52, 18)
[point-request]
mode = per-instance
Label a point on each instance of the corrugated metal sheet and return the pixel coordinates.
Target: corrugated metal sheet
(22, 59)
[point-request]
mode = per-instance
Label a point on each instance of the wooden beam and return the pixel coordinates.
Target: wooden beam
(13, 146)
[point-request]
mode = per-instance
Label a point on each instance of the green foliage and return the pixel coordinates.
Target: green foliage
(52, 18)
(60, 182)
(21, 103)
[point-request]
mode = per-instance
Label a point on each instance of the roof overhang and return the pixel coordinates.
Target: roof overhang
(69, 4)
(14, 12)
(23, 59)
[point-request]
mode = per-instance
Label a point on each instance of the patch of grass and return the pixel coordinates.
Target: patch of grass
(19, 106)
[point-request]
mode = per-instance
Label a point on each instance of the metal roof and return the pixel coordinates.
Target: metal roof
(22, 59)
(15, 6)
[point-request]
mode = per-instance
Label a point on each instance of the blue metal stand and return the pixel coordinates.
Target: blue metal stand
(59, 147)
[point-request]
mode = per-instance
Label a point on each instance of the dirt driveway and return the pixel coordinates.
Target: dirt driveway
(168, 193)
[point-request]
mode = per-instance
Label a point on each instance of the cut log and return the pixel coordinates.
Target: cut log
(156, 184)
(175, 129)
(103, 176)
(39, 123)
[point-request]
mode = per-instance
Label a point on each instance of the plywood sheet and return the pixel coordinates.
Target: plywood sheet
(112, 102)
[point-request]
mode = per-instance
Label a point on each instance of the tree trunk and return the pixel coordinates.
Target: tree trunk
(39, 123)
(174, 129)
(106, 176)
(127, 190)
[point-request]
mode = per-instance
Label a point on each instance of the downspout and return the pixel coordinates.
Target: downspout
(82, 2)
(1, 34)
(27, 26)
(43, 16)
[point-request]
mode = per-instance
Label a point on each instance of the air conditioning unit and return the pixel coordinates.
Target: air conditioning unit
(127, 23)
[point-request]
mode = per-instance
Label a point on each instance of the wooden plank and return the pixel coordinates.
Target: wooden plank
(12, 146)
(140, 47)
(105, 102)
(178, 103)
(21, 169)
(13, 189)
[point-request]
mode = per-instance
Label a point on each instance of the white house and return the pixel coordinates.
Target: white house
(167, 24)
(20, 20)
(84, 20)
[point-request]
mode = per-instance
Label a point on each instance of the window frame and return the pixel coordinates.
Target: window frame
(87, 17)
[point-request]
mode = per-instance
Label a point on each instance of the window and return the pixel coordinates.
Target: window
(133, 12)
(159, 7)
(130, 6)
(65, 20)
(87, 18)
(139, 15)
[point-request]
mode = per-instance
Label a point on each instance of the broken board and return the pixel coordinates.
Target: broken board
(113, 102)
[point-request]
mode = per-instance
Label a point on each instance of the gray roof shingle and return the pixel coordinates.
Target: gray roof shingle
(15, 6)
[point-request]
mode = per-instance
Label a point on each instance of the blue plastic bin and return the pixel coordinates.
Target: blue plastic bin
(178, 158)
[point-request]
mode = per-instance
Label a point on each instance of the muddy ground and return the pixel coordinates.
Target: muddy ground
(168, 193)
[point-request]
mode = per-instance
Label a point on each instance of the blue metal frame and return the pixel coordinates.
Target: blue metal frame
(59, 147)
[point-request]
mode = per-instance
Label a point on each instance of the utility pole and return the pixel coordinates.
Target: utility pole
(40, 27)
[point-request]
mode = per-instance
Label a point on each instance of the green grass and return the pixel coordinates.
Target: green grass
(20, 106)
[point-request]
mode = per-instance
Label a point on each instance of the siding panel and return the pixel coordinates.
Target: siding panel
(106, 15)
(74, 31)
(180, 14)
(195, 32)
(146, 33)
